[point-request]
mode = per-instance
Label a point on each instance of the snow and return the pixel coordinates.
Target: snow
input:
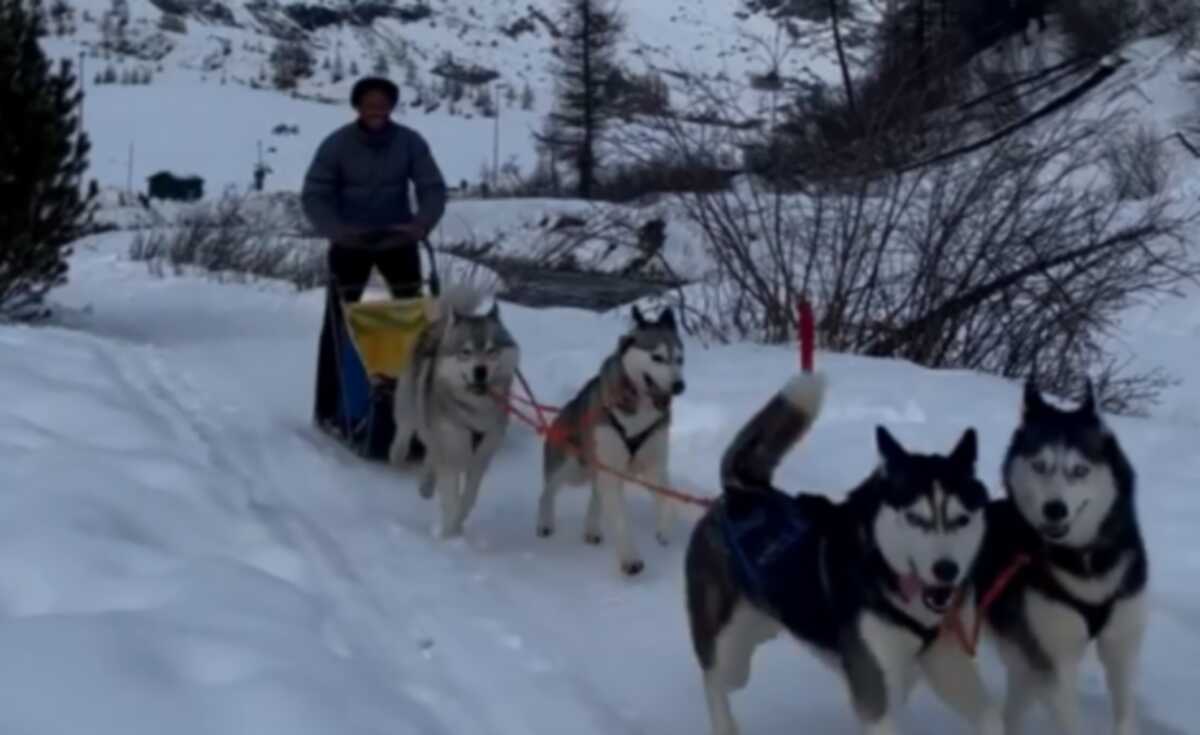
(180, 553)
(202, 114)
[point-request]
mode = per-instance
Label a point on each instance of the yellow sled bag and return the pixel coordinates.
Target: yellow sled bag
(385, 332)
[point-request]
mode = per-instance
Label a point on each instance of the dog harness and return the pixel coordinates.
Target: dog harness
(626, 402)
(1095, 614)
(635, 442)
(781, 558)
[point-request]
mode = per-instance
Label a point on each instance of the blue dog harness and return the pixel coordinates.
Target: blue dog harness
(766, 535)
(781, 548)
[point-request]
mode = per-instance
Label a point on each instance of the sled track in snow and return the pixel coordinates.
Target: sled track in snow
(380, 612)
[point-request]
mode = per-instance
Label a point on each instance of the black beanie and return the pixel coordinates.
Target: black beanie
(374, 84)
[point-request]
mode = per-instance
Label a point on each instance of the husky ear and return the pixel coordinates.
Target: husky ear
(494, 312)
(624, 343)
(667, 319)
(966, 451)
(1033, 401)
(638, 318)
(889, 449)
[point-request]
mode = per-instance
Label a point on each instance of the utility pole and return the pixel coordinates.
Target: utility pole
(129, 171)
(496, 135)
(82, 95)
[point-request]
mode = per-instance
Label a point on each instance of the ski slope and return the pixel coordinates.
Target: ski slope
(179, 552)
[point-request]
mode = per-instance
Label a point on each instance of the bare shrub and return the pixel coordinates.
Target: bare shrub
(1097, 27)
(1179, 19)
(1136, 163)
(291, 62)
(1015, 259)
(631, 182)
(231, 242)
(173, 23)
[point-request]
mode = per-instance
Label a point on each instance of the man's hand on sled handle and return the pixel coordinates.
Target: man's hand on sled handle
(750, 460)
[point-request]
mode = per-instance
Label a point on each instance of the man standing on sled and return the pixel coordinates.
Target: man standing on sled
(356, 194)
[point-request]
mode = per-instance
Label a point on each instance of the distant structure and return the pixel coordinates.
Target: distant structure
(166, 185)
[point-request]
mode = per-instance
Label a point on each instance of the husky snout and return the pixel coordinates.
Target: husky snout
(1055, 511)
(677, 387)
(945, 570)
(480, 373)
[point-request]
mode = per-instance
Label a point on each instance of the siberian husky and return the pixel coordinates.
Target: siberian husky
(865, 583)
(1070, 511)
(621, 418)
(448, 397)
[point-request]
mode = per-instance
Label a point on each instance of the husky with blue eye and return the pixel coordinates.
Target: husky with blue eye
(864, 583)
(1070, 512)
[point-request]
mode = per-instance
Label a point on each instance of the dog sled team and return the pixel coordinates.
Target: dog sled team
(871, 583)
(868, 583)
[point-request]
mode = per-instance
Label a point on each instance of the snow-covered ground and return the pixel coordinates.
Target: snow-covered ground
(180, 553)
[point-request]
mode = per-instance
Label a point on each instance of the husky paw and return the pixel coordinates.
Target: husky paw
(426, 487)
(448, 531)
(632, 568)
(1126, 727)
(595, 539)
(394, 457)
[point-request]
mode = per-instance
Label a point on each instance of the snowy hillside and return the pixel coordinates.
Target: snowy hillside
(210, 98)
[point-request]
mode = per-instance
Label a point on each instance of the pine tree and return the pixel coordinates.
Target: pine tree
(585, 60)
(43, 157)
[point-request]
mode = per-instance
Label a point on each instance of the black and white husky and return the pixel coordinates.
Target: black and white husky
(865, 582)
(1070, 511)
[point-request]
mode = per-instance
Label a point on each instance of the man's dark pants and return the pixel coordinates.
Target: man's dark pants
(349, 270)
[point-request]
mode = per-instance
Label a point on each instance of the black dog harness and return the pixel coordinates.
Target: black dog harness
(635, 442)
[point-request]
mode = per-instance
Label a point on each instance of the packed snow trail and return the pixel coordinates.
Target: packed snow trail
(502, 632)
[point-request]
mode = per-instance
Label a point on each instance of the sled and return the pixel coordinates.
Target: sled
(365, 346)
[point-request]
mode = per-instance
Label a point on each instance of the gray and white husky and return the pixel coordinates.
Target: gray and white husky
(1069, 510)
(448, 398)
(864, 583)
(621, 418)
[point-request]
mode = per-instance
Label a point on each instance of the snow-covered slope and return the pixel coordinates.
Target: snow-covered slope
(211, 98)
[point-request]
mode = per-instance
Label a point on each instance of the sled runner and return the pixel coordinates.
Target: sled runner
(364, 345)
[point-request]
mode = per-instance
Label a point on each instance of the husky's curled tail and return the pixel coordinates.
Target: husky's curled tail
(458, 298)
(750, 460)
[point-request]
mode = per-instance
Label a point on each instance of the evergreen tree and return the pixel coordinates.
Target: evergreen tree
(585, 60)
(43, 157)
